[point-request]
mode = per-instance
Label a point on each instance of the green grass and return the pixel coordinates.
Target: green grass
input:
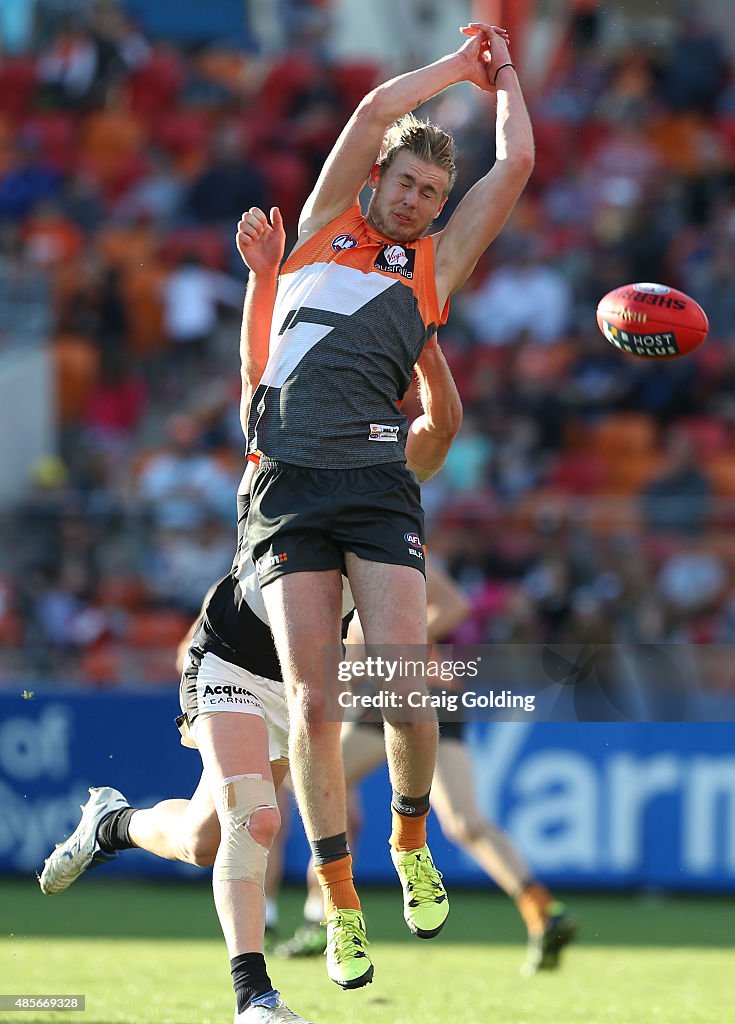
(153, 954)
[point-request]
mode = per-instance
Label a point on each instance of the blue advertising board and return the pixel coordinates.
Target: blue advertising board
(599, 805)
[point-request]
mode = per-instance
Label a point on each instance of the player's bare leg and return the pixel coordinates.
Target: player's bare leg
(305, 611)
(363, 749)
(391, 602)
(184, 830)
(454, 801)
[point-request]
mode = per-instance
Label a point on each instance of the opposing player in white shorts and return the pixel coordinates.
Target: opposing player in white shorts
(232, 697)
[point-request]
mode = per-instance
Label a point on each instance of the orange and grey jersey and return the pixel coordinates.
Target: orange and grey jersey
(352, 314)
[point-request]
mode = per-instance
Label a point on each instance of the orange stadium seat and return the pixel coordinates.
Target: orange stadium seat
(721, 471)
(76, 370)
(142, 287)
(625, 434)
(629, 474)
(157, 628)
(111, 142)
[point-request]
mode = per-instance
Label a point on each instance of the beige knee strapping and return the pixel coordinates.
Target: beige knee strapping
(240, 857)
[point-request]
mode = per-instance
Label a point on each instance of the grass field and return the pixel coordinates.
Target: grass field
(153, 954)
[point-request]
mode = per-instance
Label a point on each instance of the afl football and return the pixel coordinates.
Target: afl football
(652, 321)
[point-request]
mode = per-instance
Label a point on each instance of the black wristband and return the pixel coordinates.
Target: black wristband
(508, 65)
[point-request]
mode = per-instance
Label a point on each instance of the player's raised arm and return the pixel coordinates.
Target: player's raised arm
(482, 213)
(356, 150)
(260, 244)
(430, 435)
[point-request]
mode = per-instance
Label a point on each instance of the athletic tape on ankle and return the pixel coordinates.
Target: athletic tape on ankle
(240, 857)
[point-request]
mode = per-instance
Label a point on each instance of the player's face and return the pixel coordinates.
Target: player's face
(407, 196)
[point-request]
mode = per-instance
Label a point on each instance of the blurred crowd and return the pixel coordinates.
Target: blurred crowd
(589, 496)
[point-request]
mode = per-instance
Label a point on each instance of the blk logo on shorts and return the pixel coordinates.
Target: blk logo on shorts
(394, 259)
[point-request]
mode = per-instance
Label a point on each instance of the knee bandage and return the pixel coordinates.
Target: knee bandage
(240, 857)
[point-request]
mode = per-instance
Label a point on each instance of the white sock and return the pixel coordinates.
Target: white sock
(314, 908)
(271, 913)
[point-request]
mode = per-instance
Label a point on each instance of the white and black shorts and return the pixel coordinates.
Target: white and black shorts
(209, 684)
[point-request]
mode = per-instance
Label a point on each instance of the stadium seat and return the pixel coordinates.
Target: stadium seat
(710, 436)
(580, 473)
(111, 142)
(142, 287)
(17, 85)
(288, 178)
(353, 80)
(55, 132)
(157, 627)
(154, 87)
(76, 371)
(629, 474)
(721, 471)
(207, 242)
(625, 434)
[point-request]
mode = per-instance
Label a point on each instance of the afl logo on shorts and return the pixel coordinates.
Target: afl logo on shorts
(343, 242)
(413, 539)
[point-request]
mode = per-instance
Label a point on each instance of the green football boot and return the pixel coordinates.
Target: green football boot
(348, 964)
(544, 951)
(308, 940)
(425, 901)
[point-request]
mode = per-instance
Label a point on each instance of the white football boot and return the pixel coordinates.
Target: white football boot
(81, 850)
(269, 1009)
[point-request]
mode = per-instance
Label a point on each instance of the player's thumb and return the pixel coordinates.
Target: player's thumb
(276, 218)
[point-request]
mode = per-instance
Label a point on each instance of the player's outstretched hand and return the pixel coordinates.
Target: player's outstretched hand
(492, 51)
(261, 242)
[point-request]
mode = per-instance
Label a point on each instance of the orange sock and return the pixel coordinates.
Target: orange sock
(338, 885)
(409, 833)
(533, 906)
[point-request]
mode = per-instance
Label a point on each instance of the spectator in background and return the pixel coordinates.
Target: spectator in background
(182, 486)
(468, 460)
(692, 580)
(68, 67)
(26, 181)
(192, 294)
(158, 195)
(229, 185)
(679, 500)
(697, 65)
(180, 563)
(525, 296)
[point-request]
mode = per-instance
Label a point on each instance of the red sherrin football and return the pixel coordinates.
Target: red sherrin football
(652, 321)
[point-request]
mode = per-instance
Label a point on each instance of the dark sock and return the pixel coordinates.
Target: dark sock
(112, 831)
(329, 849)
(410, 806)
(249, 978)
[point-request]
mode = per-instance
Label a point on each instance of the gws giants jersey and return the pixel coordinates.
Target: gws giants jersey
(234, 623)
(352, 314)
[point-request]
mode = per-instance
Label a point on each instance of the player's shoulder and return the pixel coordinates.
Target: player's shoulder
(342, 230)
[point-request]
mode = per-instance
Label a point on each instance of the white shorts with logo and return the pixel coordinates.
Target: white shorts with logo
(209, 684)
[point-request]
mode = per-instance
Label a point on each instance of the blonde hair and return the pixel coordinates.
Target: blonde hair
(425, 140)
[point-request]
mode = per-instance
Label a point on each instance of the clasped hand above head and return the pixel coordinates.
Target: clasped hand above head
(485, 52)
